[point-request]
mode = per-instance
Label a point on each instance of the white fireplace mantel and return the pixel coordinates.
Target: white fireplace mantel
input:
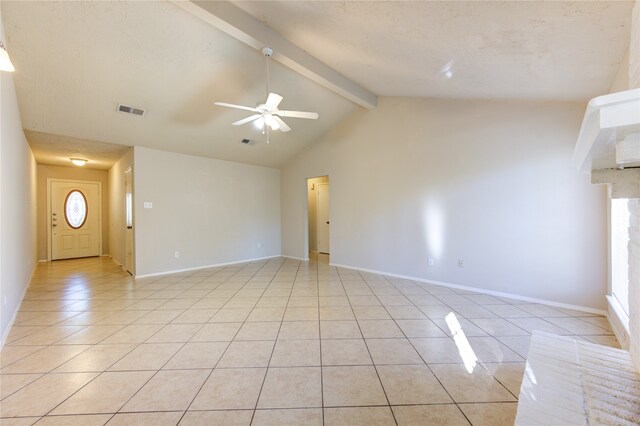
(610, 134)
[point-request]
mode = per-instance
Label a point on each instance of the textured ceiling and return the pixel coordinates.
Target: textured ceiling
(77, 60)
(550, 50)
(57, 150)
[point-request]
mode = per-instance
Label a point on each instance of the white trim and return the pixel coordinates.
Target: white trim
(196, 268)
(295, 258)
(619, 321)
(5, 335)
(480, 290)
(49, 237)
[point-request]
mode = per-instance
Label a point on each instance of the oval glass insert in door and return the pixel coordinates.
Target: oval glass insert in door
(75, 209)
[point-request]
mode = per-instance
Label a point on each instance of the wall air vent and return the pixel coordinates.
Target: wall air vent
(247, 141)
(130, 110)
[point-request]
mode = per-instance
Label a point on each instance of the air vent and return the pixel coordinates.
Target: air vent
(247, 141)
(130, 110)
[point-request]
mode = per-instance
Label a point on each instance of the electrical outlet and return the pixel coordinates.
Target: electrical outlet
(176, 254)
(431, 261)
(460, 263)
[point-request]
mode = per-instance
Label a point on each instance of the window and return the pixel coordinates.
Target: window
(620, 252)
(75, 209)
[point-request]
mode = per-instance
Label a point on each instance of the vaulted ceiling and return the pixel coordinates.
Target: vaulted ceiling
(76, 61)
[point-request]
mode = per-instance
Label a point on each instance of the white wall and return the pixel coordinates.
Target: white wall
(75, 173)
(17, 204)
(211, 211)
(487, 182)
(117, 220)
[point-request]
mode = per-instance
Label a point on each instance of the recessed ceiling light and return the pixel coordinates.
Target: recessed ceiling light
(79, 161)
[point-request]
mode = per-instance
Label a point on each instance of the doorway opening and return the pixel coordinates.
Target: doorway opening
(318, 217)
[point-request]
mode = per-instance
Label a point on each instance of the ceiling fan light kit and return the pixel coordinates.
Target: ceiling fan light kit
(267, 115)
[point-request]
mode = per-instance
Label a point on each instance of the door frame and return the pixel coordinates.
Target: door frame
(306, 213)
(126, 231)
(48, 219)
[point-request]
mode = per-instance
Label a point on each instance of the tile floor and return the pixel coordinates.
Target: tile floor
(275, 342)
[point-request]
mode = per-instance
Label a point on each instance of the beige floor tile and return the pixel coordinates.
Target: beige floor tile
(487, 414)
(336, 313)
(405, 313)
(41, 396)
(123, 317)
(247, 354)
(135, 333)
(45, 360)
(436, 415)
(179, 304)
(380, 329)
(489, 349)
(10, 383)
(175, 333)
(145, 419)
(333, 301)
(197, 355)
(518, 344)
(293, 387)
(98, 358)
(296, 353)
(299, 330)
(345, 352)
(469, 328)
(226, 418)
(195, 316)
(107, 393)
(49, 335)
(370, 313)
(302, 302)
(509, 374)
(437, 350)
(393, 351)
(91, 335)
(266, 314)
(20, 421)
(148, 356)
(477, 386)
(258, 331)
(77, 420)
(364, 301)
(340, 330)
(230, 389)
(11, 354)
(411, 384)
(296, 416)
(358, 416)
(499, 327)
(351, 386)
(168, 391)
(301, 314)
(217, 332)
(231, 315)
(420, 328)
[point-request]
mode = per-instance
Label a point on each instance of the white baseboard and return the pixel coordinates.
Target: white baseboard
(619, 322)
(304, 259)
(480, 290)
(15, 313)
(235, 262)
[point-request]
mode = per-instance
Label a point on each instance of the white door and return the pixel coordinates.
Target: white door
(128, 211)
(75, 219)
(323, 218)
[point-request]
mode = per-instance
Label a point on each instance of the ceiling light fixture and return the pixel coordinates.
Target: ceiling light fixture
(78, 161)
(5, 62)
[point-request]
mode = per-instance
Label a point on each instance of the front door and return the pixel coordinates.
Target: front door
(75, 219)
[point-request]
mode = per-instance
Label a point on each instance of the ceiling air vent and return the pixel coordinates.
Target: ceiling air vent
(130, 110)
(247, 141)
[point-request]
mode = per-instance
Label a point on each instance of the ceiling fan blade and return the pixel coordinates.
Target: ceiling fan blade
(283, 125)
(224, 104)
(273, 100)
(246, 120)
(297, 114)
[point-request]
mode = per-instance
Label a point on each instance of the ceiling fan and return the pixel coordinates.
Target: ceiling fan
(267, 115)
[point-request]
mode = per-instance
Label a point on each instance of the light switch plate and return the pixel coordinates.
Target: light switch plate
(148, 205)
